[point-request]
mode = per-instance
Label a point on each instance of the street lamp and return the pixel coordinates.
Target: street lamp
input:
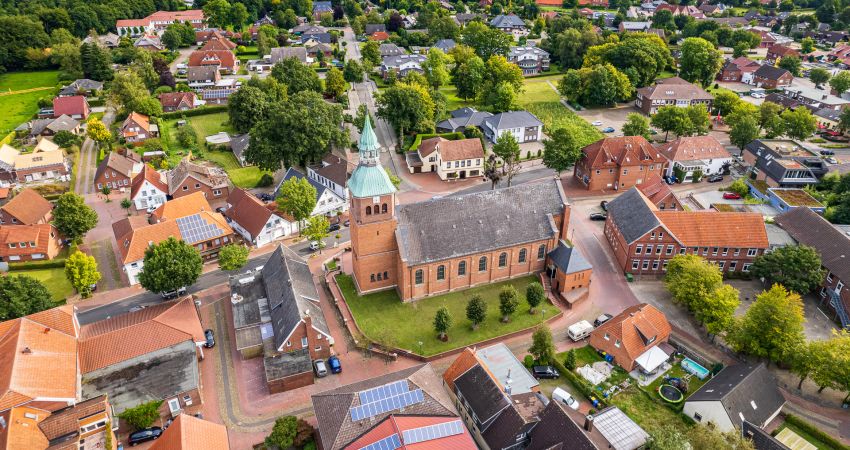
(420, 347)
(544, 313)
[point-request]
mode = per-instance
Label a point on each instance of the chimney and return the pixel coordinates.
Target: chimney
(26, 351)
(588, 423)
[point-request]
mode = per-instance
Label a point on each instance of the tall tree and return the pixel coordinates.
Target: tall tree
(238, 16)
(442, 322)
(469, 77)
(408, 107)
(744, 131)
(81, 272)
(170, 265)
(370, 53)
(297, 197)
(476, 310)
(247, 107)
(819, 76)
(690, 279)
(435, 67)
(636, 125)
(97, 131)
(700, 61)
(72, 217)
(22, 295)
(840, 82)
(670, 118)
(534, 295)
(641, 56)
(334, 83)
(232, 257)
(485, 40)
(296, 76)
(508, 302)
(791, 64)
(507, 149)
(717, 310)
(95, 62)
(560, 150)
(772, 327)
(797, 267)
(542, 347)
(799, 123)
(217, 13)
(283, 432)
(317, 230)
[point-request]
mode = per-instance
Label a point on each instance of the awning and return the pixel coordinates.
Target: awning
(652, 358)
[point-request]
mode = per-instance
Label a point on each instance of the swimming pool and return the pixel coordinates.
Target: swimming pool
(694, 368)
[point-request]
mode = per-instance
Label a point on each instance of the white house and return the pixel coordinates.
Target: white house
(738, 393)
(525, 127)
(254, 221)
(327, 202)
(331, 173)
(451, 160)
(688, 155)
(148, 190)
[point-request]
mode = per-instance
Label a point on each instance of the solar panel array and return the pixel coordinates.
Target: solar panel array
(383, 391)
(365, 411)
(431, 432)
(390, 442)
(195, 229)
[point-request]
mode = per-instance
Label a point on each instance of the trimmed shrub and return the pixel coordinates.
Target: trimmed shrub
(194, 112)
(816, 432)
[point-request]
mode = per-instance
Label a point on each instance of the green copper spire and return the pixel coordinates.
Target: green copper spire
(369, 145)
(369, 179)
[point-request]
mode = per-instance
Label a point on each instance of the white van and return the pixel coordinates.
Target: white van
(560, 395)
(579, 330)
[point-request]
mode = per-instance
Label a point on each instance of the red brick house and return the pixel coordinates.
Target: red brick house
(29, 242)
(26, 208)
(178, 101)
(631, 334)
(138, 128)
(618, 163)
(224, 60)
(116, 171)
(75, 106)
(777, 52)
(644, 238)
(738, 69)
(671, 92)
(770, 77)
(659, 193)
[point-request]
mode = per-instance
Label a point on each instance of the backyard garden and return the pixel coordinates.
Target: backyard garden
(411, 324)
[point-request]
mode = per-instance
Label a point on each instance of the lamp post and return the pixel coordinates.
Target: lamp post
(420, 347)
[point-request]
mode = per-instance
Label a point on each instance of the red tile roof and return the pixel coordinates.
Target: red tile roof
(150, 175)
(28, 207)
(72, 105)
(379, 36)
(41, 234)
(655, 189)
(174, 99)
(631, 333)
(716, 229)
(248, 211)
(621, 151)
(224, 58)
(191, 433)
(398, 424)
(692, 148)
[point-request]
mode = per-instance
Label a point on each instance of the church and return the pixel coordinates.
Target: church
(460, 241)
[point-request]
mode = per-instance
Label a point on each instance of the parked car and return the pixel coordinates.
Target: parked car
(827, 153)
(731, 196)
(597, 123)
(608, 130)
(320, 368)
(561, 395)
(266, 197)
(208, 334)
(579, 330)
(168, 295)
(545, 372)
(757, 95)
(598, 216)
(347, 222)
(832, 160)
(715, 178)
(333, 227)
(148, 434)
(137, 308)
(315, 246)
(334, 364)
(602, 319)
(604, 205)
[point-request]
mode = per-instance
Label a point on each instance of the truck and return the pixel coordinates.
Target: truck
(579, 330)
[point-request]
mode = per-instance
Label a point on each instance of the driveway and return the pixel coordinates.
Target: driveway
(610, 117)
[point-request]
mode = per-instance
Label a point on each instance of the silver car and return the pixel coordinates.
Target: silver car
(320, 368)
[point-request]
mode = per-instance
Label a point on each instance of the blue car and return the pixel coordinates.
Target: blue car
(608, 130)
(333, 363)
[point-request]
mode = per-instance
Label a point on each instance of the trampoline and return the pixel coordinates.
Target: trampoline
(670, 393)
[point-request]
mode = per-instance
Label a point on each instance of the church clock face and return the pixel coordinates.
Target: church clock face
(376, 199)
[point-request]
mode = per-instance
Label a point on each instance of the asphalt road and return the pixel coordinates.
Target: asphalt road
(205, 281)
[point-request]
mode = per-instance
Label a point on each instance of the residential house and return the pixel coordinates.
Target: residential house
(569, 272)
(280, 53)
(75, 106)
(203, 36)
(783, 163)
(150, 42)
(108, 40)
(682, 10)
(671, 92)
(188, 432)
(716, 8)
(256, 223)
(524, 126)
(770, 77)
(82, 86)
(307, 28)
(373, 28)
(635, 338)
(828, 119)
(162, 364)
(618, 163)
(740, 69)
(148, 190)
(27, 207)
(327, 201)
(659, 193)
(446, 45)
(461, 119)
(181, 218)
(691, 158)
(645, 238)
(61, 123)
(218, 42)
(238, 144)
(202, 77)
(332, 173)
(402, 65)
(776, 52)
(464, 18)
(221, 92)
(29, 242)
(41, 166)
(530, 59)
(390, 49)
(159, 21)
(87, 424)
(137, 128)
(379, 36)
(355, 415)
(44, 144)
(223, 60)
(116, 171)
(511, 24)
(451, 160)
(8, 154)
(784, 199)
(634, 27)
(815, 98)
(313, 51)
(178, 101)
(809, 228)
(308, 39)
(320, 8)
(188, 178)
(741, 392)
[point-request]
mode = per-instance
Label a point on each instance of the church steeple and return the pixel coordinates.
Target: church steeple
(369, 146)
(369, 179)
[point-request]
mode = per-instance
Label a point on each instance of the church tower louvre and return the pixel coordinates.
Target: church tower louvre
(373, 220)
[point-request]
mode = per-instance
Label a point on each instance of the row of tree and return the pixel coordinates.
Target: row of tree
(476, 308)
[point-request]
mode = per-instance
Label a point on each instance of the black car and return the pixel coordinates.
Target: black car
(604, 205)
(715, 178)
(210, 338)
(545, 372)
(602, 319)
(347, 222)
(168, 295)
(333, 227)
(598, 216)
(148, 434)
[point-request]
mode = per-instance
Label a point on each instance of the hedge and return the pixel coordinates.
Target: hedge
(421, 137)
(194, 112)
(816, 432)
(579, 384)
(32, 265)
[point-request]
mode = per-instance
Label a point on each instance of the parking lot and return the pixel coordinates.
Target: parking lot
(609, 117)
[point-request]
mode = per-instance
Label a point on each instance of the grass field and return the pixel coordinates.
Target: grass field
(54, 280)
(244, 177)
(18, 108)
(651, 415)
(382, 317)
(554, 115)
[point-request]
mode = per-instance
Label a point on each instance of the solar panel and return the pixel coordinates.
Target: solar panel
(367, 410)
(390, 442)
(431, 432)
(195, 229)
(384, 391)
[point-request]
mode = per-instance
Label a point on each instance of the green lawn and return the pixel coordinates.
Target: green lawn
(650, 414)
(53, 279)
(18, 81)
(244, 177)
(454, 102)
(584, 355)
(18, 108)
(554, 115)
(538, 90)
(382, 317)
(676, 371)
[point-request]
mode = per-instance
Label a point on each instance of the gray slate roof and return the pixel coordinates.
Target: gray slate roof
(507, 21)
(449, 227)
(809, 228)
(239, 144)
(374, 27)
(464, 117)
(324, 38)
(556, 428)
(292, 173)
(445, 45)
(63, 123)
(390, 49)
(281, 53)
(291, 293)
(286, 364)
(397, 60)
(769, 72)
(84, 84)
(516, 52)
(632, 215)
(484, 396)
(569, 259)
(513, 119)
(762, 440)
(737, 387)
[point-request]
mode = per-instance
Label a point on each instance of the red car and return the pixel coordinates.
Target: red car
(731, 196)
